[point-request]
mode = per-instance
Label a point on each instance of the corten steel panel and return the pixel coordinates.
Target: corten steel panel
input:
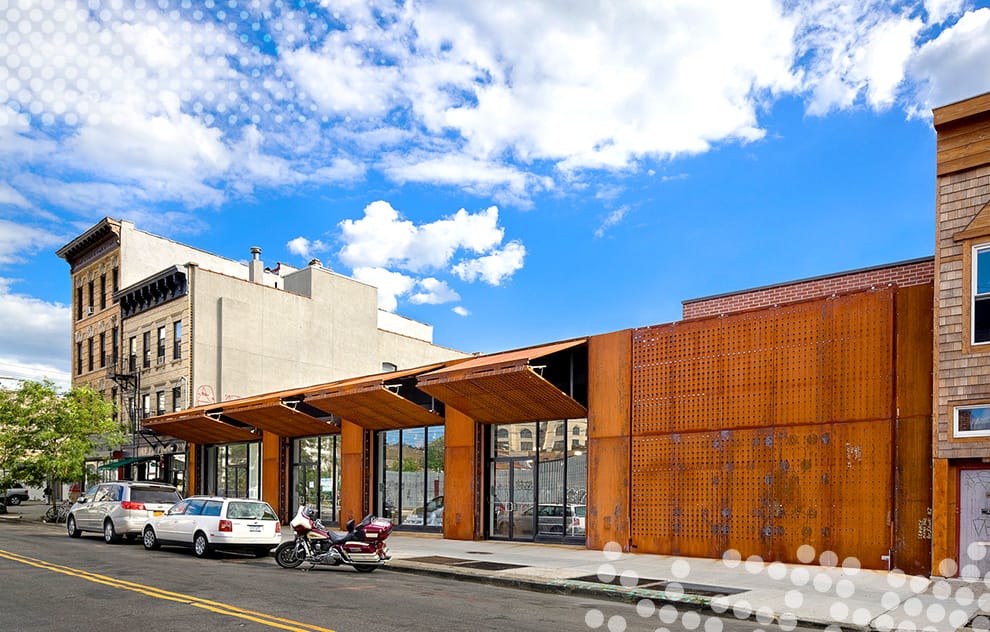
(653, 481)
(945, 529)
(749, 345)
(802, 499)
(271, 475)
(860, 360)
(697, 508)
(461, 456)
(608, 492)
(504, 395)
(652, 379)
(862, 475)
(609, 399)
(278, 418)
(913, 495)
(196, 427)
(353, 471)
(609, 384)
(375, 408)
(800, 386)
(748, 454)
(914, 340)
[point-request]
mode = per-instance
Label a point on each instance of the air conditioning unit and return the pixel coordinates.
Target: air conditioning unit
(161, 360)
(89, 310)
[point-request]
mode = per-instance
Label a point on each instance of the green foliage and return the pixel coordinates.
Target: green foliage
(45, 435)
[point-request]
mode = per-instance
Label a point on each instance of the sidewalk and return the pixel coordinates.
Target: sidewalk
(689, 590)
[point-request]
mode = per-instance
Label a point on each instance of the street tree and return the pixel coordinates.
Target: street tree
(46, 434)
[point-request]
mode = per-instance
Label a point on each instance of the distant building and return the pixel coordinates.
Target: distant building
(159, 326)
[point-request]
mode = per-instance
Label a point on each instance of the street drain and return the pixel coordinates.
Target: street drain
(701, 590)
(490, 566)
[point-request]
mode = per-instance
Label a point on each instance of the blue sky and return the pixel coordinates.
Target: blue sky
(511, 173)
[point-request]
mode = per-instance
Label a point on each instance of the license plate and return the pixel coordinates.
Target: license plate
(254, 529)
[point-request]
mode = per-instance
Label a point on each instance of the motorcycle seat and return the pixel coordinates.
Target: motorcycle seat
(340, 538)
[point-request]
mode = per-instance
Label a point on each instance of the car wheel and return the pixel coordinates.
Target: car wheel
(261, 551)
(364, 568)
(201, 546)
(15, 500)
(70, 527)
(149, 540)
(110, 535)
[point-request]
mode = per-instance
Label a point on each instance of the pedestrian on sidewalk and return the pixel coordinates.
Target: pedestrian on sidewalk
(47, 494)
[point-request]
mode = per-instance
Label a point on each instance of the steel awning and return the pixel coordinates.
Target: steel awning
(504, 387)
(195, 426)
(376, 402)
(282, 417)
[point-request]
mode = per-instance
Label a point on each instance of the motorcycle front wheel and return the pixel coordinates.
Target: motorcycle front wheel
(286, 556)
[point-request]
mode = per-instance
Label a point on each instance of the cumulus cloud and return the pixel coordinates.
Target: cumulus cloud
(460, 311)
(197, 107)
(33, 344)
(305, 248)
(391, 285)
(953, 66)
(493, 268)
(465, 245)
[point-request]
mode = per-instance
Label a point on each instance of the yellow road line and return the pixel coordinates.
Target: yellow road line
(158, 593)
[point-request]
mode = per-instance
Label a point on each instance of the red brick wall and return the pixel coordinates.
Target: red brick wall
(916, 272)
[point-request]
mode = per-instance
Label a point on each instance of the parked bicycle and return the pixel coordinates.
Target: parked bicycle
(57, 512)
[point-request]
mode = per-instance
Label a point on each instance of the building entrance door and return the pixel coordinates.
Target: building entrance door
(974, 523)
(512, 499)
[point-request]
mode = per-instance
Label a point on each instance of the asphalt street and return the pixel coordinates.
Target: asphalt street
(54, 583)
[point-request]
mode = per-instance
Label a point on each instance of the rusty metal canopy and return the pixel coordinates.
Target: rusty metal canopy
(504, 387)
(279, 417)
(195, 426)
(375, 402)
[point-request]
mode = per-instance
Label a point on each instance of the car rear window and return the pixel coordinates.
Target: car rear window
(250, 511)
(154, 495)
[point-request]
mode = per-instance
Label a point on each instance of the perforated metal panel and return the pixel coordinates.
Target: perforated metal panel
(766, 430)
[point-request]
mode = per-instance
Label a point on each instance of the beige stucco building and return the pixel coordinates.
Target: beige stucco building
(161, 326)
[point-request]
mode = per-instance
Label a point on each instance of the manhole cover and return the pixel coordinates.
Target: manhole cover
(702, 590)
(438, 559)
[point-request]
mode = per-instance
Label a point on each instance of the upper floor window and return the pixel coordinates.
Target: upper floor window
(92, 291)
(103, 291)
(79, 360)
(146, 339)
(132, 354)
(79, 303)
(971, 421)
(103, 349)
(177, 340)
(161, 344)
(113, 278)
(160, 400)
(89, 350)
(981, 294)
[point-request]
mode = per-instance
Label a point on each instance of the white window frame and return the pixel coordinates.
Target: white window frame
(956, 432)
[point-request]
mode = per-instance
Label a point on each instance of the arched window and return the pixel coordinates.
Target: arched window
(525, 433)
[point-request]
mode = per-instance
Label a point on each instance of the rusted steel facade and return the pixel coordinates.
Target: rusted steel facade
(767, 430)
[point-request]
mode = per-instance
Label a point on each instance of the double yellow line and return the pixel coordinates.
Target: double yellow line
(158, 593)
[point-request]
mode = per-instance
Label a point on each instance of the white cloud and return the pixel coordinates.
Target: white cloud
(433, 292)
(495, 267)
(954, 65)
(18, 240)
(33, 340)
(305, 248)
(9, 196)
(391, 285)
(614, 218)
(460, 311)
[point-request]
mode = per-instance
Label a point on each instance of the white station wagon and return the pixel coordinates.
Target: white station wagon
(208, 523)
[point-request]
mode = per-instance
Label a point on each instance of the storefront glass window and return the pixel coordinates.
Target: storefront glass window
(234, 470)
(411, 476)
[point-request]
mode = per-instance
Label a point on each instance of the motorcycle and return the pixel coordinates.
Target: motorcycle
(363, 546)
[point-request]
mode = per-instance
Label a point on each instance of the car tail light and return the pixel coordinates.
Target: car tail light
(126, 504)
(278, 527)
(226, 525)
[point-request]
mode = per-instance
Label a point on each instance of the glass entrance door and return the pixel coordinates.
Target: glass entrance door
(512, 499)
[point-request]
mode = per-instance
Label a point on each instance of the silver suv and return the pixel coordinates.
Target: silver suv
(119, 508)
